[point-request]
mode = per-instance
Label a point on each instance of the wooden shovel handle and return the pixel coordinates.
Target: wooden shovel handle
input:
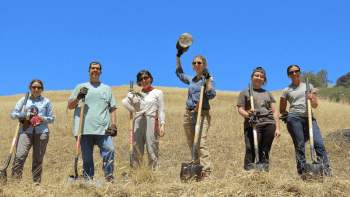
(19, 124)
(198, 122)
(131, 131)
(80, 125)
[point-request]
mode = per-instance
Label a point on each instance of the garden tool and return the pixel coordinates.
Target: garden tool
(3, 174)
(313, 168)
(74, 177)
(192, 170)
(131, 138)
(254, 119)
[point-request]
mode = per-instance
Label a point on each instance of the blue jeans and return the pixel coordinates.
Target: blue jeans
(298, 127)
(105, 143)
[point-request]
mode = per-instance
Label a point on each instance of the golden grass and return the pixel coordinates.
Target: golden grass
(226, 146)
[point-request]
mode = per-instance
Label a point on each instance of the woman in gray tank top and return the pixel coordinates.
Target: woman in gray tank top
(297, 120)
(265, 107)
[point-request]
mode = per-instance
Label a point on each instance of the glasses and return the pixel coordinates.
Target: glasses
(37, 87)
(144, 78)
(258, 77)
(194, 63)
(293, 72)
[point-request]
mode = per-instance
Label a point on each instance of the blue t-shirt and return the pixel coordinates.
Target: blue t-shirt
(194, 89)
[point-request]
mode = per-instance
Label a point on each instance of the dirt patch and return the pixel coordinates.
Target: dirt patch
(339, 136)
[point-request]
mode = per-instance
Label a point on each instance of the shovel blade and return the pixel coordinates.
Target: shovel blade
(71, 179)
(313, 168)
(259, 166)
(190, 170)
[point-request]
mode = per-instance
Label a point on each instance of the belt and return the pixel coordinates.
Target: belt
(193, 108)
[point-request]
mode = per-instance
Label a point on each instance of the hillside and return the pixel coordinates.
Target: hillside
(226, 147)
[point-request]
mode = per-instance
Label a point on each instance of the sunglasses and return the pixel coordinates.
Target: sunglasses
(293, 72)
(37, 87)
(194, 63)
(144, 78)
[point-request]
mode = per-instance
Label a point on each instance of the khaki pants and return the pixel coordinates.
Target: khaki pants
(202, 155)
(25, 142)
(144, 134)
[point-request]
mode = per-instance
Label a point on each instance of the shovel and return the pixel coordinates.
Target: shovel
(3, 174)
(254, 120)
(74, 177)
(313, 168)
(131, 138)
(192, 170)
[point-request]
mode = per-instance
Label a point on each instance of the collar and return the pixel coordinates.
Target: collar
(32, 97)
(150, 88)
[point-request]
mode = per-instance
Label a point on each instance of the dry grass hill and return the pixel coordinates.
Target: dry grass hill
(225, 142)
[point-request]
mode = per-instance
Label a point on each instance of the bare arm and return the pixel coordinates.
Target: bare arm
(283, 105)
(313, 99)
(243, 112)
(178, 62)
(275, 117)
(113, 116)
(73, 103)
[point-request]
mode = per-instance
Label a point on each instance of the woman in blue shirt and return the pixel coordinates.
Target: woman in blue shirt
(36, 134)
(199, 65)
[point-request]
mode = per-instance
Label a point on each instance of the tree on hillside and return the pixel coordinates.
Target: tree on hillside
(344, 81)
(324, 77)
(315, 80)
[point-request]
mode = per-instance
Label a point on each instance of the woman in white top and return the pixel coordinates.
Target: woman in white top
(149, 108)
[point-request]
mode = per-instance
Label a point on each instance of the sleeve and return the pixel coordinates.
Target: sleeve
(17, 110)
(182, 76)
(161, 110)
(49, 118)
(127, 102)
(312, 89)
(241, 98)
(211, 93)
(284, 93)
(112, 103)
(272, 99)
(74, 93)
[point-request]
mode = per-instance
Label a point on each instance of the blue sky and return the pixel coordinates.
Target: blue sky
(56, 40)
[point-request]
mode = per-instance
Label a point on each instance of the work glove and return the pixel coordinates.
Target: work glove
(112, 130)
(254, 118)
(82, 93)
(284, 117)
(205, 72)
(26, 115)
(180, 50)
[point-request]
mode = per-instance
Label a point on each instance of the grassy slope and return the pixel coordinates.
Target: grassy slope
(335, 94)
(225, 141)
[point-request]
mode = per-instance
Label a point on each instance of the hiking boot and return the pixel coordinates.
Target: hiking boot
(110, 179)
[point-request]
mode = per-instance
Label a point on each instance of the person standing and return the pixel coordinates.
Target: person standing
(33, 131)
(149, 107)
(199, 65)
(99, 121)
(297, 119)
(265, 108)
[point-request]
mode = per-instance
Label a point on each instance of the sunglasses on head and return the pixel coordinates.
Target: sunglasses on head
(144, 78)
(293, 72)
(194, 63)
(37, 87)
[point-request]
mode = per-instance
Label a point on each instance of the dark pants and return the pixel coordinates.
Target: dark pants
(298, 127)
(265, 135)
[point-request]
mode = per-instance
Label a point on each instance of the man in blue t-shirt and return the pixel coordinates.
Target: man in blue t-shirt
(99, 121)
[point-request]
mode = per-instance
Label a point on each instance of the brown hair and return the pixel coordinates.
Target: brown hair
(36, 80)
(291, 66)
(95, 63)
